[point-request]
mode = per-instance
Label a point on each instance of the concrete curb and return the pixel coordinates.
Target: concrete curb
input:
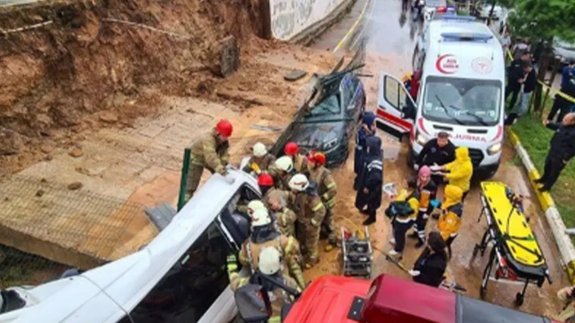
(564, 244)
(306, 36)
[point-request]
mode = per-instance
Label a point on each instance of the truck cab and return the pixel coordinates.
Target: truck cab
(390, 299)
(461, 92)
(180, 276)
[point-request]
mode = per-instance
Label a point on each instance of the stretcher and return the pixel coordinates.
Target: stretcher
(515, 255)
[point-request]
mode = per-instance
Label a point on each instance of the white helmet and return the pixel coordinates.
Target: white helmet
(284, 163)
(259, 149)
(261, 217)
(269, 261)
(254, 205)
(298, 182)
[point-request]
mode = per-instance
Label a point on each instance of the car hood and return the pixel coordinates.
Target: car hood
(563, 52)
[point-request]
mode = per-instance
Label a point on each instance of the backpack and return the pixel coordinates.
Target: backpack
(398, 209)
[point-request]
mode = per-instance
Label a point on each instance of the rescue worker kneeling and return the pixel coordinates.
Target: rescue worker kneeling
(451, 212)
(284, 217)
(430, 265)
(327, 192)
(264, 234)
(310, 212)
(269, 275)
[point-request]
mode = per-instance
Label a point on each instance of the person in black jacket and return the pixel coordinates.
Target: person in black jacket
(561, 151)
(529, 83)
(515, 78)
(366, 130)
(430, 266)
(561, 104)
(370, 180)
(438, 151)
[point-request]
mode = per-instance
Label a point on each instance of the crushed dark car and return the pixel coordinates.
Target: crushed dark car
(331, 121)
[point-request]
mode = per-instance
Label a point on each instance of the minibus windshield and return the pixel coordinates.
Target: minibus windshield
(462, 101)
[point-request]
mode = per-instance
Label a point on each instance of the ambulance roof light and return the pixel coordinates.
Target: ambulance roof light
(451, 17)
(466, 36)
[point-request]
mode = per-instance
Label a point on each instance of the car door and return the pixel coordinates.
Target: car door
(396, 109)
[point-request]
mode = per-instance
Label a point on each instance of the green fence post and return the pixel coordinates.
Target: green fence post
(184, 178)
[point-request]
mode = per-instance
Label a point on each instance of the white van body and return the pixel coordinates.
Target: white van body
(180, 276)
(462, 91)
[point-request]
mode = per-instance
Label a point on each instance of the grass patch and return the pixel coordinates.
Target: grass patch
(535, 138)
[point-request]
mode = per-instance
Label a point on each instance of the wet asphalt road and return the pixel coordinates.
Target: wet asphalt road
(389, 37)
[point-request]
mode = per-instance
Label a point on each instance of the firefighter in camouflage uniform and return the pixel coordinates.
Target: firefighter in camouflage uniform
(307, 205)
(264, 234)
(327, 190)
(209, 151)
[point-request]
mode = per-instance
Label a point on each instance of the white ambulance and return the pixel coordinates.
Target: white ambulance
(461, 91)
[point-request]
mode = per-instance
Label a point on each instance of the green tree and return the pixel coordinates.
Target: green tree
(542, 19)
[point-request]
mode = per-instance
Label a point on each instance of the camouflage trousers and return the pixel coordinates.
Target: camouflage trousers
(308, 237)
(194, 176)
(328, 228)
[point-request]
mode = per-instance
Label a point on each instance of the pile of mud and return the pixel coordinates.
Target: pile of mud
(69, 66)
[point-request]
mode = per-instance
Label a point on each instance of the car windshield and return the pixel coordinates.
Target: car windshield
(328, 106)
(462, 101)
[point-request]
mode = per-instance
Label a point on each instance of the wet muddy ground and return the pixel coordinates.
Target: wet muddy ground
(390, 41)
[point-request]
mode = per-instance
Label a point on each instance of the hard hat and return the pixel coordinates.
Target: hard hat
(224, 128)
(269, 261)
(261, 217)
(284, 163)
(265, 179)
(259, 149)
(291, 148)
(298, 182)
(316, 157)
(255, 205)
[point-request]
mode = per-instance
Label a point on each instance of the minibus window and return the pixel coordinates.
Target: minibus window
(462, 101)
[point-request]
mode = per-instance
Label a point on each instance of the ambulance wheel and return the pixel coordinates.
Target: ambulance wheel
(519, 298)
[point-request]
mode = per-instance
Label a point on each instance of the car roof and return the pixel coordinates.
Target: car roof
(126, 281)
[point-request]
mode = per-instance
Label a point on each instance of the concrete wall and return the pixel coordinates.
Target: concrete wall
(291, 17)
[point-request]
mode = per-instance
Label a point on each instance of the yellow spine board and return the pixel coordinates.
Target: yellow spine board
(500, 208)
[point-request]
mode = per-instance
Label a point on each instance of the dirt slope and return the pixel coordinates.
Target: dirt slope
(68, 66)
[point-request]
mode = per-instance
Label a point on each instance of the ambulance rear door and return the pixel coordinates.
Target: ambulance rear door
(396, 109)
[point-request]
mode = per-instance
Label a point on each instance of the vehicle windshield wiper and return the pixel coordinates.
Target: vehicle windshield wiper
(469, 113)
(447, 111)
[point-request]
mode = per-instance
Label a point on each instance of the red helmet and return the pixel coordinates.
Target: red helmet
(224, 128)
(265, 179)
(316, 157)
(291, 148)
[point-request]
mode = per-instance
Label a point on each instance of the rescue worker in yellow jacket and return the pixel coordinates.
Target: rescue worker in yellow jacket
(260, 161)
(403, 212)
(209, 151)
(269, 269)
(292, 150)
(451, 212)
(281, 171)
(310, 212)
(327, 190)
(264, 234)
(459, 171)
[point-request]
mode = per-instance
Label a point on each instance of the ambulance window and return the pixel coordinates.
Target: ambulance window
(192, 285)
(395, 93)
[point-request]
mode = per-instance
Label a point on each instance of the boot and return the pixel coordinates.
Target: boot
(369, 221)
(419, 243)
(413, 235)
(331, 244)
